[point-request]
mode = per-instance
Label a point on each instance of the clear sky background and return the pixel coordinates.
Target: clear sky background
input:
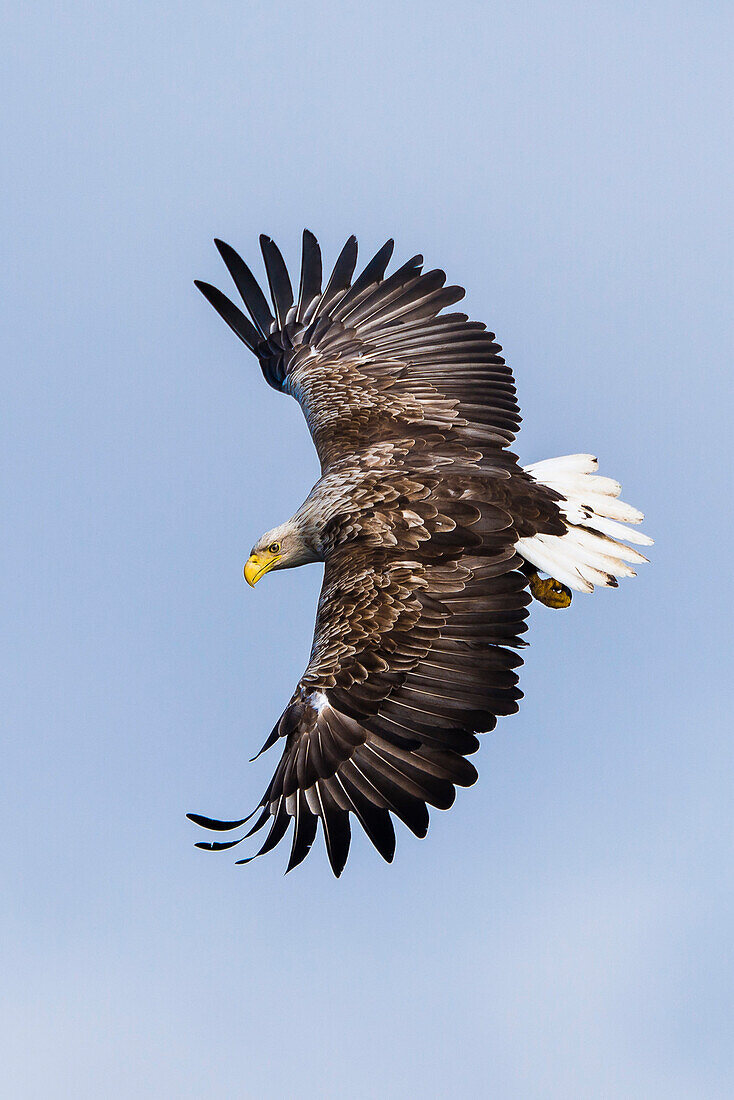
(566, 930)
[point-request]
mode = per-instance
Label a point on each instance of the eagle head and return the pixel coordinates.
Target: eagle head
(282, 548)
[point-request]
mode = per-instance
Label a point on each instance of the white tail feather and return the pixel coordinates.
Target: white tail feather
(592, 551)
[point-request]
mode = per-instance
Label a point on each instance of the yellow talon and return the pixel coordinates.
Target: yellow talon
(550, 591)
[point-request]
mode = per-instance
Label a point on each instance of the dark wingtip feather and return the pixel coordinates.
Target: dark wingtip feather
(281, 821)
(343, 270)
(217, 826)
(378, 826)
(311, 272)
(304, 833)
(272, 738)
(217, 845)
(375, 269)
(278, 278)
(247, 285)
(338, 836)
(229, 312)
(372, 274)
(414, 814)
(260, 821)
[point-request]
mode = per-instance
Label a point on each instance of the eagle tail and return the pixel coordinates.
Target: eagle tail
(594, 549)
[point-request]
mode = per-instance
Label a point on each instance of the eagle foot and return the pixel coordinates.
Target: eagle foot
(550, 591)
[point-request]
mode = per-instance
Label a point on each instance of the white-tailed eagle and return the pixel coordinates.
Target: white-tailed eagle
(432, 535)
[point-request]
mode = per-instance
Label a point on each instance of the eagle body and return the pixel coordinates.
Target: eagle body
(431, 534)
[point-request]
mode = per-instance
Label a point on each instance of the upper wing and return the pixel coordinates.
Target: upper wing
(409, 662)
(369, 360)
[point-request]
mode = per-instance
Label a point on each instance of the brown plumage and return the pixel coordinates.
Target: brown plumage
(417, 515)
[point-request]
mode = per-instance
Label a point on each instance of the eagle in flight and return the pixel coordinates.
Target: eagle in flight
(434, 541)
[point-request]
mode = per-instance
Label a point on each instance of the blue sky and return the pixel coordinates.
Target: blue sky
(565, 931)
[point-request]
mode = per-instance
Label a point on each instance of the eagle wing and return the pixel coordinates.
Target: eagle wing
(418, 618)
(410, 660)
(369, 359)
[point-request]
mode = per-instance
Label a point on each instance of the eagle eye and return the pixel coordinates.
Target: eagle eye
(274, 548)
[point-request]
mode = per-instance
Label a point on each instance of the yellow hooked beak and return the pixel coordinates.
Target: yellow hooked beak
(258, 565)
